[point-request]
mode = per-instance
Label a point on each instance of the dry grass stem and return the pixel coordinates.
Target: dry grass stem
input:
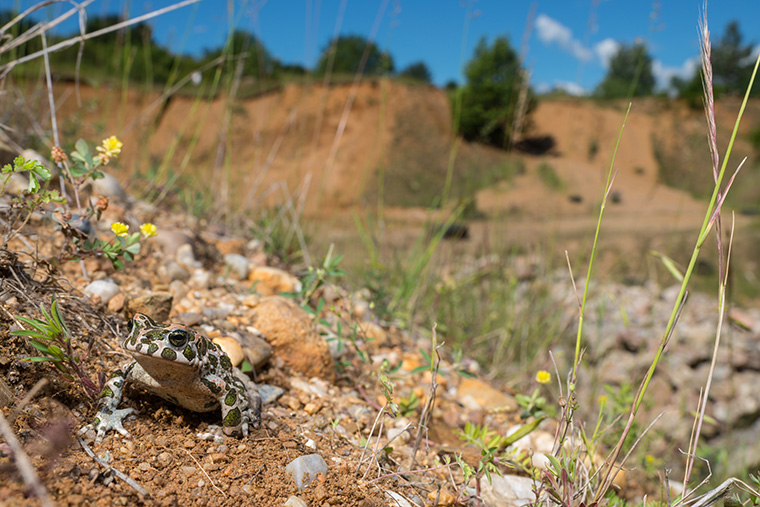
(4, 69)
(23, 463)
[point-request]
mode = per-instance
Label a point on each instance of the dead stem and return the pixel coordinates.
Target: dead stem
(116, 472)
(23, 463)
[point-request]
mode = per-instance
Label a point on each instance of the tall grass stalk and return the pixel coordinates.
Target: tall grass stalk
(711, 216)
(582, 305)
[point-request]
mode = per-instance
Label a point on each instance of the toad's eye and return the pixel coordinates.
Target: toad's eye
(179, 337)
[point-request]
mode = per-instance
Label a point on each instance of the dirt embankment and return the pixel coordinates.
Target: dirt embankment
(342, 148)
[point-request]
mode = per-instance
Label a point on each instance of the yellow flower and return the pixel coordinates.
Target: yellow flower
(109, 148)
(120, 229)
(148, 230)
(543, 377)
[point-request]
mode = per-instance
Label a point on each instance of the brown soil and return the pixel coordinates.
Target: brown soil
(164, 455)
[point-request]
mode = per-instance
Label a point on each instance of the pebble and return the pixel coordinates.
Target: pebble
(238, 265)
(397, 435)
(444, 497)
(201, 279)
(186, 257)
(304, 470)
(294, 501)
(269, 393)
(110, 187)
(507, 491)
(117, 302)
(396, 500)
(164, 459)
(156, 304)
(189, 318)
(272, 281)
(103, 289)
(176, 272)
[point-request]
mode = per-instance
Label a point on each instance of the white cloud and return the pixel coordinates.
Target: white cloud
(571, 88)
(550, 31)
(542, 87)
(663, 74)
(752, 58)
(605, 50)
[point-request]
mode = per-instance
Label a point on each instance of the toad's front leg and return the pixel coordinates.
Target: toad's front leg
(236, 413)
(108, 417)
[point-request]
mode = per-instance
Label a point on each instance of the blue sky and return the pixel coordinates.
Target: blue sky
(569, 46)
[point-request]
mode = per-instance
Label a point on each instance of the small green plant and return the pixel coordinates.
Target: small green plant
(549, 177)
(534, 405)
(122, 245)
(83, 166)
(407, 406)
(490, 444)
(52, 338)
(316, 277)
(32, 199)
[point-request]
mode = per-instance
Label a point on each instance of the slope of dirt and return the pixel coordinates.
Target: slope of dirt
(340, 150)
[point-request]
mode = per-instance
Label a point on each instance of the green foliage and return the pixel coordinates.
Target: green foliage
(316, 277)
(616, 404)
(629, 74)
(534, 406)
(490, 444)
(257, 60)
(732, 61)
(417, 71)
(126, 247)
(82, 166)
(52, 339)
(346, 53)
(332, 328)
(28, 202)
(489, 98)
(408, 406)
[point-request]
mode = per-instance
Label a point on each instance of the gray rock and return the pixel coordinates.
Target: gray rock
(171, 241)
(176, 272)
(304, 470)
(110, 187)
(201, 279)
(270, 393)
(18, 183)
(104, 289)
(185, 256)
(507, 491)
(238, 265)
(189, 318)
